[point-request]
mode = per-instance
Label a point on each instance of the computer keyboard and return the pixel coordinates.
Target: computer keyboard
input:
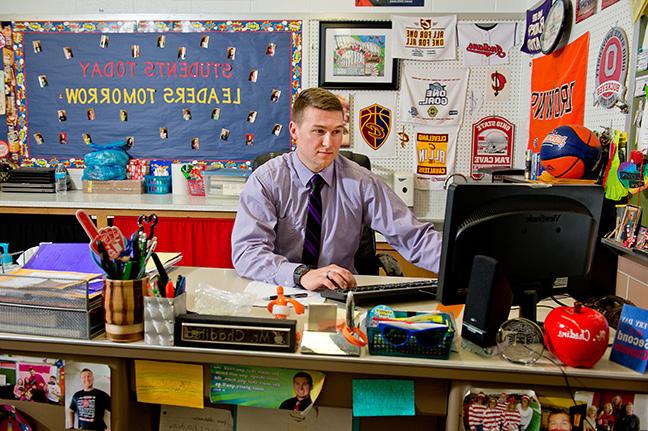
(387, 293)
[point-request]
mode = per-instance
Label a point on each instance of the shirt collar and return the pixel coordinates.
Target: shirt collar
(306, 174)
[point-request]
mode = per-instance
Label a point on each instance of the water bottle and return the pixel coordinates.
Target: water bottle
(60, 178)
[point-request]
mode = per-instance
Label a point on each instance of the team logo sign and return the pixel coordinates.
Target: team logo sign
(611, 69)
(498, 81)
(492, 144)
(375, 125)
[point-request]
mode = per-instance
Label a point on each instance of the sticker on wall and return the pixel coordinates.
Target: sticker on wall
(435, 156)
(424, 38)
(611, 69)
(373, 118)
(492, 144)
(499, 82)
(534, 27)
(486, 44)
(585, 9)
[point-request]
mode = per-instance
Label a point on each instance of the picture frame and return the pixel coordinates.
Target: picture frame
(357, 55)
(627, 230)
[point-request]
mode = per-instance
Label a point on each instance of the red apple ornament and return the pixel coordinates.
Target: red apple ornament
(577, 335)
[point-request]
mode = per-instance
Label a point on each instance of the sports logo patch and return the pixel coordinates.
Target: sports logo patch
(375, 125)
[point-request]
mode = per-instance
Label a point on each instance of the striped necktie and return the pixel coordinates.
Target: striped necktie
(313, 232)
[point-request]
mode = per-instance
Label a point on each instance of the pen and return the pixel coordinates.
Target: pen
(294, 295)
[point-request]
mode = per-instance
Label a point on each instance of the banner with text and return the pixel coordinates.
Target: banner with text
(215, 92)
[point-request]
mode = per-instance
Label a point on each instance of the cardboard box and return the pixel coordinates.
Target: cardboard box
(129, 187)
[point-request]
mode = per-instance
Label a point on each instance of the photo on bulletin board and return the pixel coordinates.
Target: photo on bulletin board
(505, 409)
(564, 414)
(87, 396)
(39, 381)
(614, 410)
(357, 55)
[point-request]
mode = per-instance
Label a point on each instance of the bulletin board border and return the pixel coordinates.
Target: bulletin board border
(145, 26)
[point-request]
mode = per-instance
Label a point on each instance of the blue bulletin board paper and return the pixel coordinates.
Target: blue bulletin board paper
(206, 90)
(378, 397)
(629, 348)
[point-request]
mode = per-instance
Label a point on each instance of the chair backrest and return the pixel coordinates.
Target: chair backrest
(365, 260)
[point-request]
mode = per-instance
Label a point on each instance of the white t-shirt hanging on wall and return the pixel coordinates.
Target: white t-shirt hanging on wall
(486, 44)
(424, 38)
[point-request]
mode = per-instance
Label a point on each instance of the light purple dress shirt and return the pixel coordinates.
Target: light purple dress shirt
(268, 235)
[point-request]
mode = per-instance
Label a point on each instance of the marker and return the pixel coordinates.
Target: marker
(294, 295)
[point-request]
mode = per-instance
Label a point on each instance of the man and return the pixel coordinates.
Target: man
(302, 384)
(53, 390)
(89, 404)
(629, 421)
(268, 239)
(559, 421)
(36, 384)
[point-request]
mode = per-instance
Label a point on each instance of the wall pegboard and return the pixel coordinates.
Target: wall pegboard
(430, 204)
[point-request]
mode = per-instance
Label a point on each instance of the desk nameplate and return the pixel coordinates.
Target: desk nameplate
(230, 332)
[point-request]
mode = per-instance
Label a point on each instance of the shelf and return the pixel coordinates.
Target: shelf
(630, 253)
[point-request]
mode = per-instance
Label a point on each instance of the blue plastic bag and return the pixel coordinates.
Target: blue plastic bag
(107, 162)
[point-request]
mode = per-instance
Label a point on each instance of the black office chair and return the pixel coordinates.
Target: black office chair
(366, 261)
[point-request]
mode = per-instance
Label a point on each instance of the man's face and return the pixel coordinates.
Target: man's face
(318, 137)
(87, 379)
(32, 372)
(559, 422)
(302, 388)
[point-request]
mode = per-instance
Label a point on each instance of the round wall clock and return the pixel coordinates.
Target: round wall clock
(557, 26)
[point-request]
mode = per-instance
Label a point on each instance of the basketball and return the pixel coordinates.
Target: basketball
(570, 151)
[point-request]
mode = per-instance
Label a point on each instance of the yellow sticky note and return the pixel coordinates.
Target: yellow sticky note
(170, 383)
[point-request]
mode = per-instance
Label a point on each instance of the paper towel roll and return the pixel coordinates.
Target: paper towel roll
(179, 184)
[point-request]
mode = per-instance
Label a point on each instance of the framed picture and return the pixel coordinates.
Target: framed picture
(357, 55)
(627, 230)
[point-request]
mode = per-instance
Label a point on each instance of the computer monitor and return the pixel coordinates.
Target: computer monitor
(535, 232)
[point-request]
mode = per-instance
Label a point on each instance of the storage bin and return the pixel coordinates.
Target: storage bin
(196, 187)
(158, 185)
(379, 346)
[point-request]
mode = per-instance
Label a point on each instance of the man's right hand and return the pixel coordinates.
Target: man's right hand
(328, 277)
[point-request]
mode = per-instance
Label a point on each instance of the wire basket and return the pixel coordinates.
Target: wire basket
(379, 346)
(196, 187)
(157, 185)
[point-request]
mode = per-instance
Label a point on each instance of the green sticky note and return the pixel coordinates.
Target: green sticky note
(380, 397)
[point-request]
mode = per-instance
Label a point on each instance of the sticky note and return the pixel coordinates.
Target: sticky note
(381, 397)
(169, 383)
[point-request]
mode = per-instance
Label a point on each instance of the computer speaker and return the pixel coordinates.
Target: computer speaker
(404, 187)
(488, 302)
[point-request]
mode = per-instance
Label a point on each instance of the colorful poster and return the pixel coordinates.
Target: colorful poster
(374, 118)
(558, 83)
(607, 3)
(585, 9)
(486, 44)
(499, 84)
(435, 98)
(272, 388)
(629, 349)
(87, 396)
(492, 144)
(217, 91)
(436, 150)
(424, 38)
(535, 18)
(394, 3)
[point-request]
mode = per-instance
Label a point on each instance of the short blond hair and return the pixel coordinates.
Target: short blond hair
(317, 98)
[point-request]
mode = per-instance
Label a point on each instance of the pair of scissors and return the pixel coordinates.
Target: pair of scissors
(149, 221)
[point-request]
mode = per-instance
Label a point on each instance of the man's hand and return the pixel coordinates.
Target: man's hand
(328, 277)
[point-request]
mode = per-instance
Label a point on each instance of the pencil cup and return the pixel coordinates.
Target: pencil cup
(124, 309)
(159, 318)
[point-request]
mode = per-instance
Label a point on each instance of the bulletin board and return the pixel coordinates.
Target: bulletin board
(180, 90)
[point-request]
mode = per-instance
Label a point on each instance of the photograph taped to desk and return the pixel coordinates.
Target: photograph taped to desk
(31, 379)
(87, 396)
(513, 409)
(273, 388)
(618, 410)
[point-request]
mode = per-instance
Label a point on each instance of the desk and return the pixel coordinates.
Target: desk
(439, 384)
